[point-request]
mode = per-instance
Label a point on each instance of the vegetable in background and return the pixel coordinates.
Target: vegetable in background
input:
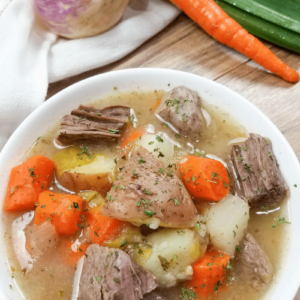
(262, 28)
(209, 273)
(227, 222)
(80, 18)
(204, 178)
(224, 29)
(63, 211)
(26, 182)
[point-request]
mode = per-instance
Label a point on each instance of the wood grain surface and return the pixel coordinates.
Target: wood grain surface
(185, 46)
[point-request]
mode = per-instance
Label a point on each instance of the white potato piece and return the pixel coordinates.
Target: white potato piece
(159, 145)
(173, 252)
(227, 222)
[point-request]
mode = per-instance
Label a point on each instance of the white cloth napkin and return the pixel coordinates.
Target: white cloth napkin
(31, 56)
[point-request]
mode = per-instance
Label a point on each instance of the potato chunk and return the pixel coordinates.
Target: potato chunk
(84, 172)
(173, 252)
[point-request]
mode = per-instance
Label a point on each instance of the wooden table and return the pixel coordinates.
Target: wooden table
(185, 46)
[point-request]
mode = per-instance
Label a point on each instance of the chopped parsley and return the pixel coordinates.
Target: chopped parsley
(117, 280)
(132, 117)
(241, 159)
(280, 220)
(151, 143)
(176, 201)
(184, 118)
(43, 206)
(225, 184)
(99, 278)
(84, 151)
(160, 171)
(31, 172)
(245, 148)
(134, 174)
(113, 130)
(123, 244)
(149, 213)
(141, 161)
(177, 135)
(158, 138)
(238, 249)
(295, 185)
(247, 167)
(188, 294)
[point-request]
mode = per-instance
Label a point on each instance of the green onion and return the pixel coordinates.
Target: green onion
(262, 28)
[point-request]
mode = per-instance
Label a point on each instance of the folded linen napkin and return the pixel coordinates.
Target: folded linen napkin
(31, 56)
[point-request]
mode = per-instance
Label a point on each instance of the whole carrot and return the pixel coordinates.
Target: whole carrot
(210, 16)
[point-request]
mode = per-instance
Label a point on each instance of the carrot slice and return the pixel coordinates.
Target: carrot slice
(204, 178)
(131, 136)
(208, 273)
(103, 228)
(64, 211)
(210, 16)
(73, 251)
(154, 107)
(27, 181)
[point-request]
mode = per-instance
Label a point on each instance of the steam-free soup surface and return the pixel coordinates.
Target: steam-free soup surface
(52, 275)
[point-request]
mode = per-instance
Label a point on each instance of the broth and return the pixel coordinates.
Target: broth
(52, 277)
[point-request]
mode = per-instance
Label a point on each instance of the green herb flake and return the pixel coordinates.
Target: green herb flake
(85, 151)
(234, 233)
(123, 244)
(280, 220)
(184, 118)
(99, 278)
(225, 184)
(177, 135)
(117, 280)
(243, 178)
(238, 249)
(141, 161)
(241, 159)
(151, 143)
(188, 294)
(160, 171)
(149, 213)
(295, 185)
(245, 148)
(96, 234)
(176, 201)
(158, 138)
(197, 226)
(43, 206)
(113, 130)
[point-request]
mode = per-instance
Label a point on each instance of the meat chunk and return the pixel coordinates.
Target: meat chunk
(254, 263)
(146, 192)
(110, 274)
(181, 107)
(255, 173)
(90, 123)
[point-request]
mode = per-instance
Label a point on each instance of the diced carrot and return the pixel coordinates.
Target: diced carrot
(73, 250)
(103, 228)
(27, 181)
(64, 211)
(204, 178)
(131, 136)
(208, 273)
(154, 107)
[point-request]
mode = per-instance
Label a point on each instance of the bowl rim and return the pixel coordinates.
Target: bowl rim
(137, 73)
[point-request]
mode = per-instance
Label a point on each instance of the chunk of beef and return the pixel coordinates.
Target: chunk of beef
(110, 274)
(255, 173)
(181, 107)
(146, 188)
(173, 293)
(254, 264)
(90, 123)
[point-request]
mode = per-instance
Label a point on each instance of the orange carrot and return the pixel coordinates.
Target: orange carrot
(154, 107)
(103, 228)
(26, 182)
(73, 250)
(131, 136)
(208, 273)
(64, 211)
(204, 178)
(210, 16)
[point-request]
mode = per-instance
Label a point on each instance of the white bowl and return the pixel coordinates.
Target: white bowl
(287, 282)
